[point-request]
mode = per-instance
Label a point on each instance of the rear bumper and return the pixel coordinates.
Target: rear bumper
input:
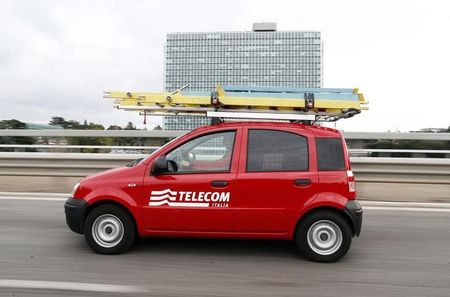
(75, 209)
(354, 211)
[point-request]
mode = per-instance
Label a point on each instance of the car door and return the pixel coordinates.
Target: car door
(276, 177)
(197, 194)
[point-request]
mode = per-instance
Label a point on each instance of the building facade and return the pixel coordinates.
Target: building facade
(262, 57)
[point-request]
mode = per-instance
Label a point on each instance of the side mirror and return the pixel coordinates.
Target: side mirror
(160, 165)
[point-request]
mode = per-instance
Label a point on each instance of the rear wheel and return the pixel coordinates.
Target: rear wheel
(109, 229)
(323, 236)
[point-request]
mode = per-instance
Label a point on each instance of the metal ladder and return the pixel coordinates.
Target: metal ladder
(271, 103)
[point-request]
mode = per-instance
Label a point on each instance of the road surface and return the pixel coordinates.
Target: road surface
(403, 251)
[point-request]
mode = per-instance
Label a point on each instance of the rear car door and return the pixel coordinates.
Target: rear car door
(277, 176)
(197, 194)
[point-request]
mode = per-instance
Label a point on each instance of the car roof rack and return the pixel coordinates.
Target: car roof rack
(307, 105)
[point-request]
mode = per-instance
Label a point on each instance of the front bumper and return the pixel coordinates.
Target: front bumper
(75, 209)
(354, 211)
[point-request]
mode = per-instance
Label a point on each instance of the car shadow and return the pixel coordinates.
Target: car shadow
(217, 247)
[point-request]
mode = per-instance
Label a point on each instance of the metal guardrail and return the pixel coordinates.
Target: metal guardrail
(63, 146)
(399, 151)
(401, 170)
(149, 149)
(372, 170)
(380, 169)
(61, 164)
(92, 133)
(170, 134)
(397, 135)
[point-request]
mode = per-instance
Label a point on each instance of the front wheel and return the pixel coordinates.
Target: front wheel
(109, 229)
(323, 236)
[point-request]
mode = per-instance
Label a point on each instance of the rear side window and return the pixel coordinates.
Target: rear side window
(270, 150)
(330, 154)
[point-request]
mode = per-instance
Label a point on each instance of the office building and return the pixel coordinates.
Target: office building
(261, 57)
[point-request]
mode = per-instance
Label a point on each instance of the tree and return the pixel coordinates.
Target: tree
(72, 124)
(60, 121)
(14, 124)
(94, 126)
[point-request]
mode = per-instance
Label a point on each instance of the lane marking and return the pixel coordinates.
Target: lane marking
(69, 286)
(31, 198)
(395, 203)
(35, 194)
(392, 208)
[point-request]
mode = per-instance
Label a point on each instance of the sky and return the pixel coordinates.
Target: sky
(56, 57)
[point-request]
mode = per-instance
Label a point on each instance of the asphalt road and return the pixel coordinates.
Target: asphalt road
(400, 253)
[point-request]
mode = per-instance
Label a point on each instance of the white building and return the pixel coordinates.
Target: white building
(262, 57)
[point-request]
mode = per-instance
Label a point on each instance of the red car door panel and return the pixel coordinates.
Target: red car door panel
(268, 198)
(199, 197)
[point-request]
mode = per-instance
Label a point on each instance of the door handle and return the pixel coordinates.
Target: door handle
(219, 183)
(302, 182)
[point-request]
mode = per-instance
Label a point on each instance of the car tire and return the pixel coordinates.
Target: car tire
(109, 229)
(323, 236)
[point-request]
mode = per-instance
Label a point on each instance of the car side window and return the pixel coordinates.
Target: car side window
(208, 153)
(330, 154)
(272, 150)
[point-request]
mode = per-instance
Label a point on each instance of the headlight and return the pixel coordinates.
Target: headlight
(74, 190)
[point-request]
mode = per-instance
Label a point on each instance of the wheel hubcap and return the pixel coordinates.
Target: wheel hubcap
(107, 230)
(324, 237)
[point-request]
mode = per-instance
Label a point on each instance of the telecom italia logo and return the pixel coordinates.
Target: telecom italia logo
(189, 199)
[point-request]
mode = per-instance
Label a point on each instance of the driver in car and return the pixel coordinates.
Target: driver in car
(220, 164)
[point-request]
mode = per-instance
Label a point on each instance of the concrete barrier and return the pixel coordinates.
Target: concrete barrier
(392, 179)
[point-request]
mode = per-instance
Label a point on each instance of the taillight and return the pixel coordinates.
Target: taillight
(351, 182)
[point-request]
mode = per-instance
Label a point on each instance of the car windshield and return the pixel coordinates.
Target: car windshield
(162, 147)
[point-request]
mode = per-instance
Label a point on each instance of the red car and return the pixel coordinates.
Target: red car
(266, 180)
